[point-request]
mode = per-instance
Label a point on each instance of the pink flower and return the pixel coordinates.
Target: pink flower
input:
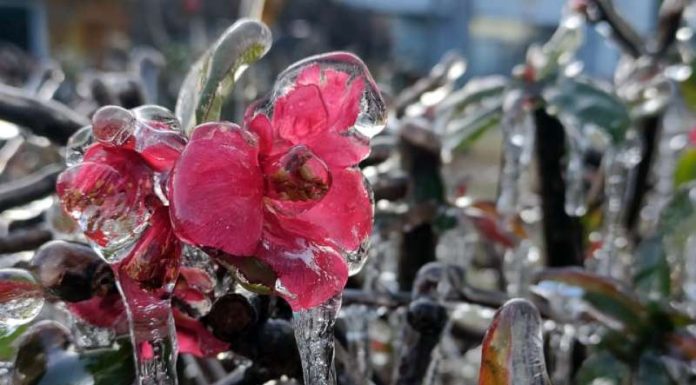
(282, 199)
(112, 193)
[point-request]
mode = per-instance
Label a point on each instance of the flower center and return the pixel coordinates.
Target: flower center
(298, 177)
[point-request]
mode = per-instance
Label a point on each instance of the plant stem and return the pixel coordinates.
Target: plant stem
(562, 233)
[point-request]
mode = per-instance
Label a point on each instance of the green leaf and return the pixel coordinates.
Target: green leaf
(213, 76)
(589, 104)
(603, 298)
(602, 367)
(7, 343)
(651, 276)
(686, 168)
(512, 349)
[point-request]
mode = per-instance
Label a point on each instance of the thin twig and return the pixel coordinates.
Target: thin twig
(626, 37)
(24, 240)
(671, 13)
(32, 187)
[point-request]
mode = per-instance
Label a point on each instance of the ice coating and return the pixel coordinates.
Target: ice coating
(77, 145)
(21, 299)
(372, 117)
(212, 77)
(518, 136)
(512, 351)
(314, 332)
(113, 125)
(110, 186)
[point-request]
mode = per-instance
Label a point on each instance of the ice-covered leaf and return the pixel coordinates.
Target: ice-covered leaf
(571, 292)
(474, 92)
(460, 134)
(590, 105)
(512, 351)
(212, 77)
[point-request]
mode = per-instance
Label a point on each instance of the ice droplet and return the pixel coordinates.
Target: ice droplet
(21, 299)
(113, 125)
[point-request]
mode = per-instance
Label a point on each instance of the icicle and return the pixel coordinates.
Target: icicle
(357, 319)
(561, 346)
(314, 332)
(152, 333)
(518, 133)
(575, 203)
(612, 257)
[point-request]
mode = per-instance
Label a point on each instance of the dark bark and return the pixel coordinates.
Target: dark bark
(30, 188)
(562, 233)
(44, 118)
(24, 240)
(420, 158)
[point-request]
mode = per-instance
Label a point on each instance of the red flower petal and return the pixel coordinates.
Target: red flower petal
(103, 312)
(158, 144)
(193, 338)
(319, 113)
(260, 125)
(343, 218)
(340, 150)
(300, 115)
(340, 93)
(154, 260)
(216, 190)
(194, 287)
(309, 274)
(107, 194)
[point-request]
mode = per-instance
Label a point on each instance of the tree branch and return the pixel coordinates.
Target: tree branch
(44, 118)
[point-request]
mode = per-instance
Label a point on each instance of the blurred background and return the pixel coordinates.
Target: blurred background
(67, 49)
(401, 39)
